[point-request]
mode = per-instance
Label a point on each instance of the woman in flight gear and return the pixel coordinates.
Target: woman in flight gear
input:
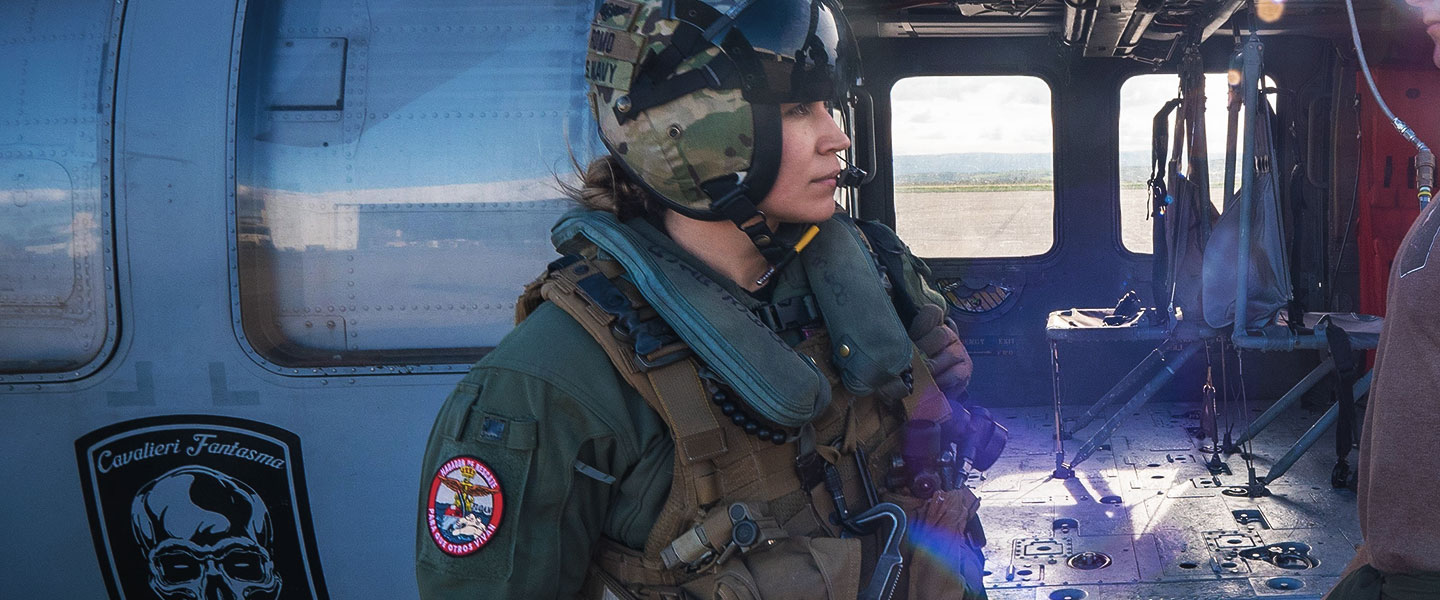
(724, 388)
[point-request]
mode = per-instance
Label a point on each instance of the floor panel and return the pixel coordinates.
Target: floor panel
(1150, 509)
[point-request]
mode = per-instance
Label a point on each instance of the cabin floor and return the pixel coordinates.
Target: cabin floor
(1151, 505)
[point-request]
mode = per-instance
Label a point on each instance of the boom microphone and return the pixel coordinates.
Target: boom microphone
(852, 176)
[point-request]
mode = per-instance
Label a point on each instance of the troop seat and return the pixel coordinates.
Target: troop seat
(1103, 325)
(1175, 346)
(1219, 279)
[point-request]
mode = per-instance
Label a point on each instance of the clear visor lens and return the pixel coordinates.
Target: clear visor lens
(804, 51)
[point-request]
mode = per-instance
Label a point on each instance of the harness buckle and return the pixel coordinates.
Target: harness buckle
(789, 313)
(668, 355)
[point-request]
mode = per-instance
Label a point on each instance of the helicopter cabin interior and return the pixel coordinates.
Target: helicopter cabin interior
(305, 219)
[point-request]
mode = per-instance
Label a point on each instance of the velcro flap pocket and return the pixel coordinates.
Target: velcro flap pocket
(477, 491)
(736, 583)
(797, 568)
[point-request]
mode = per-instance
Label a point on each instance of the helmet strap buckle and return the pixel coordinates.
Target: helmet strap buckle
(736, 206)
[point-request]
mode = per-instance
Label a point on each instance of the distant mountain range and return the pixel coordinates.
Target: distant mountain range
(973, 168)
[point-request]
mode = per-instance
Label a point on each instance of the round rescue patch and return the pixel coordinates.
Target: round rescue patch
(465, 506)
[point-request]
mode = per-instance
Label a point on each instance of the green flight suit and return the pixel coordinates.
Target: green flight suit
(569, 419)
(561, 401)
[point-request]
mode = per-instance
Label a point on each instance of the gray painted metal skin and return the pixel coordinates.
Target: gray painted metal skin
(176, 346)
(177, 351)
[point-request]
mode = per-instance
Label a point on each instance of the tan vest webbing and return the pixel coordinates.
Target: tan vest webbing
(671, 391)
(708, 465)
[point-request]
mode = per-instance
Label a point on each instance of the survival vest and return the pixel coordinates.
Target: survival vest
(752, 508)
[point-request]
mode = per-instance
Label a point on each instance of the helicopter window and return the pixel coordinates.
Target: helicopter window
(396, 174)
(57, 309)
(846, 197)
(1140, 97)
(969, 183)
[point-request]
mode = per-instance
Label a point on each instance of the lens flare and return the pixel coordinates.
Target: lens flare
(1269, 11)
(946, 554)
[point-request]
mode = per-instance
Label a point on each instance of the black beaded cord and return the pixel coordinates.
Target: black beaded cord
(731, 406)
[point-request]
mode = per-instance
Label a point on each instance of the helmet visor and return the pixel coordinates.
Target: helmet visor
(797, 51)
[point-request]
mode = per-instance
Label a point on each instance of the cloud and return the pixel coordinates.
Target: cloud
(1011, 114)
(940, 115)
(924, 116)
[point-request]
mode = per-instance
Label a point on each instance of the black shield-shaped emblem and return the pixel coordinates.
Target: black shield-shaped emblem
(200, 507)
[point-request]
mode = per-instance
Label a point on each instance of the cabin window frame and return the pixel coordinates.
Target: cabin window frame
(1057, 208)
(1217, 165)
(105, 276)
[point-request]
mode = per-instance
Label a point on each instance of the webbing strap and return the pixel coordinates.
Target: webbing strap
(676, 386)
(629, 566)
(707, 483)
(564, 294)
(671, 389)
(1192, 105)
(1177, 148)
(787, 314)
(646, 93)
(761, 470)
(1346, 369)
(1159, 199)
(680, 508)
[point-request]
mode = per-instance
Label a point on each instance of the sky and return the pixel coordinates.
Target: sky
(1011, 114)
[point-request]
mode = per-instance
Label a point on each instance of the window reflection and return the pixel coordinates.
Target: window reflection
(396, 173)
(54, 306)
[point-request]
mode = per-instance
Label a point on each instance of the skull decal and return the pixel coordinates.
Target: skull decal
(206, 536)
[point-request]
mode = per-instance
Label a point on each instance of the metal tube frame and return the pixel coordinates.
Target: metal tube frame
(1286, 401)
(1251, 81)
(1126, 384)
(1298, 449)
(1065, 470)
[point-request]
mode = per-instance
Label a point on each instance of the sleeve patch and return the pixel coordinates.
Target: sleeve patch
(465, 506)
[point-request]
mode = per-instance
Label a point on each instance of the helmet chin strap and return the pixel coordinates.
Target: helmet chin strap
(778, 248)
(733, 203)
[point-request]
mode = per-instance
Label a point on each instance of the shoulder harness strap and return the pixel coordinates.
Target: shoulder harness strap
(643, 349)
(661, 368)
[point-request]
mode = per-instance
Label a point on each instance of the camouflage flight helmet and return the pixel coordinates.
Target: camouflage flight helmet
(687, 94)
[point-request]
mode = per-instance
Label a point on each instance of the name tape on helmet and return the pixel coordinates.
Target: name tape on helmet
(616, 43)
(608, 72)
(616, 13)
